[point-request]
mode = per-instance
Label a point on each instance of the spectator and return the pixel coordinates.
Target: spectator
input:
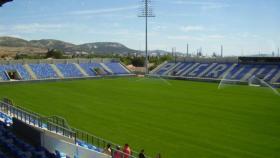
(141, 154)
(127, 151)
(117, 153)
(108, 150)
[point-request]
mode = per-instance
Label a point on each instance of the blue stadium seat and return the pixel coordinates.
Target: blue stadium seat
(116, 68)
(88, 67)
(19, 67)
(69, 70)
(43, 71)
(220, 69)
(164, 68)
(18, 148)
(239, 72)
(199, 69)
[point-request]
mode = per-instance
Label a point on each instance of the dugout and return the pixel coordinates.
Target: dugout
(13, 75)
(99, 71)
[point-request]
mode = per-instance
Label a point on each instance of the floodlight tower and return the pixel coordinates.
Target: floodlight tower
(146, 11)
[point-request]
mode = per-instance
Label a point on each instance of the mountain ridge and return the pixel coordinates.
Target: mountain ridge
(67, 47)
(11, 46)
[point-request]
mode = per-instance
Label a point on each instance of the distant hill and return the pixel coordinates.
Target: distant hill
(101, 48)
(13, 42)
(51, 44)
(12, 46)
(45, 44)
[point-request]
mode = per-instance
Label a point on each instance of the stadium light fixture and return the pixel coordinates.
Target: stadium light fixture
(146, 11)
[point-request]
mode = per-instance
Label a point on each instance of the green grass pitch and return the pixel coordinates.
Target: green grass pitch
(180, 119)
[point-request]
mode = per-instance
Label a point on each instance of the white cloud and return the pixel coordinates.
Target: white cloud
(214, 6)
(159, 28)
(203, 4)
(103, 11)
(215, 36)
(184, 37)
(192, 28)
(197, 38)
(119, 33)
(36, 27)
(10, 35)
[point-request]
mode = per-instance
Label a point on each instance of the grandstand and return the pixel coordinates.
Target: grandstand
(25, 134)
(60, 69)
(232, 69)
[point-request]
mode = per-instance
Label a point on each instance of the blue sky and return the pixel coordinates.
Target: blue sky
(242, 26)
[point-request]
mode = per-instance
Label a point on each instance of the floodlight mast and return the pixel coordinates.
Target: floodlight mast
(146, 12)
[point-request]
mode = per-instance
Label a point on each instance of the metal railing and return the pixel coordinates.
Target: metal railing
(59, 121)
(35, 120)
(59, 126)
(102, 143)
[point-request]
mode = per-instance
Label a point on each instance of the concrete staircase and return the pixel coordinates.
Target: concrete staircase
(124, 67)
(57, 71)
(158, 67)
(30, 71)
(81, 69)
(106, 68)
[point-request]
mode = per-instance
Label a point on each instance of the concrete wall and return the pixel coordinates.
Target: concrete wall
(52, 144)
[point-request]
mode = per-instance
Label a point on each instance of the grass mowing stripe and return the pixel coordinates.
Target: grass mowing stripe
(183, 119)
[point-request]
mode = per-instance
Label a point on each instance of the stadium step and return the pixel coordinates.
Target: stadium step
(81, 69)
(158, 67)
(124, 67)
(249, 74)
(57, 71)
(106, 68)
(29, 70)
(275, 78)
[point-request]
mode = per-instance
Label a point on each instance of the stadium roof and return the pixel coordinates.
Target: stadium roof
(4, 1)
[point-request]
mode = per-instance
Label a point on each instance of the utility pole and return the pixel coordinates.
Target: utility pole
(146, 12)
(222, 50)
(174, 54)
(187, 50)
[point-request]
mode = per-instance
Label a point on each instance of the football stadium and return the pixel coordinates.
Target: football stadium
(73, 103)
(184, 107)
